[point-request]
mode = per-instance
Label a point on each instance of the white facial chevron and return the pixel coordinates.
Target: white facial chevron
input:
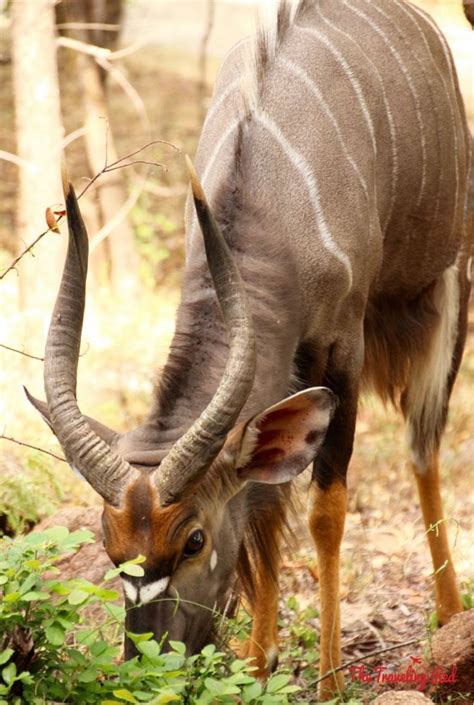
(146, 593)
(130, 590)
(152, 590)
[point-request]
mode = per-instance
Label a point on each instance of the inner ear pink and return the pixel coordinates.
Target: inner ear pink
(266, 456)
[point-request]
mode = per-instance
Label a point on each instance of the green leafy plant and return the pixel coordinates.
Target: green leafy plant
(28, 495)
(50, 652)
(301, 650)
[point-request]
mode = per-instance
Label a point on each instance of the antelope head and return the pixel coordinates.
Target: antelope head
(187, 513)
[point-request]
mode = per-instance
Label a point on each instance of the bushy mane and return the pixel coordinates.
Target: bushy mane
(270, 36)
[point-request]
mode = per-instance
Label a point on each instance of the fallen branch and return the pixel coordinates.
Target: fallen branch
(28, 445)
(120, 163)
(368, 656)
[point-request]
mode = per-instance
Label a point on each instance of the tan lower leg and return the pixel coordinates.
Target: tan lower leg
(326, 523)
(263, 643)
(448, 600)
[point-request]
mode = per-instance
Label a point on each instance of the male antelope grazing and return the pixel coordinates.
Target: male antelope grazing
(331, 254)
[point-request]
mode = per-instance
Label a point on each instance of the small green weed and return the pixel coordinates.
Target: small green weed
(26, 496)
(300, 650)
(50, 653)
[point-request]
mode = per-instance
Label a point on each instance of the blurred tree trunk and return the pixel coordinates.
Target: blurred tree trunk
(203, 88)
(39, 133)
(73, 16)
(110, 187)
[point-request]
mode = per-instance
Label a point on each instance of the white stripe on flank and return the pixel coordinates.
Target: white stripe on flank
(411, 87)
(451, 109)
(452, 72)
(301, 165)
(151, 590)
(350, 75)
(313, 88)
(391, 121)
(216, 105)
(441, 37)
(210, 164)
(229, 54)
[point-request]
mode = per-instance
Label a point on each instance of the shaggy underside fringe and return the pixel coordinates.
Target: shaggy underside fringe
(268, 529)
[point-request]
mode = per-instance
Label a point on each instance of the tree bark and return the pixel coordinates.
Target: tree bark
(110, 186)
(39, 133)
(118, 250)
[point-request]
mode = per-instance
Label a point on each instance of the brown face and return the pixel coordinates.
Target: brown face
(186, 574)
(192, 546)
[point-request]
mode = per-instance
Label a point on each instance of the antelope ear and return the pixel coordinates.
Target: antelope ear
(278, 444)
(107, 434)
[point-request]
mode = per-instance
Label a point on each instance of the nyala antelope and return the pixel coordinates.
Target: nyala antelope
(325, 254)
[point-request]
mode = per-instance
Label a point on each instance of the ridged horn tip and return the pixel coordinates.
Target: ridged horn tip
(67, 187)
(194, 179)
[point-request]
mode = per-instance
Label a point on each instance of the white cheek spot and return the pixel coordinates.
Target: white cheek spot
(130, 590)
(152, 590)
(468, 269)
(213, 561)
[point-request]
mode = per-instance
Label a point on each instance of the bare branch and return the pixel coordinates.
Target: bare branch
(145, 146)
(21, 352)
(83, 47)
(25, 252)
(128, 89)
(89, 25)
(211, 6)
(71, 137)
(105, 231)
(28, 445)
(18, 161)
(121, 163)
(99, 52)
(139, 106)
(126, 51)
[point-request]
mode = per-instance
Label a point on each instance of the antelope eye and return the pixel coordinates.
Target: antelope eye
(194, 543)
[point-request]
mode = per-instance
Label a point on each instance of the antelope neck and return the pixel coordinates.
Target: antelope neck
(199, 350)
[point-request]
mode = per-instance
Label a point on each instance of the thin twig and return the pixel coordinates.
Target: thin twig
(28, 445)
(368, 656)
(136, 161)
(120, 163)
(36, 357)
(25, 251)
(21, 352)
